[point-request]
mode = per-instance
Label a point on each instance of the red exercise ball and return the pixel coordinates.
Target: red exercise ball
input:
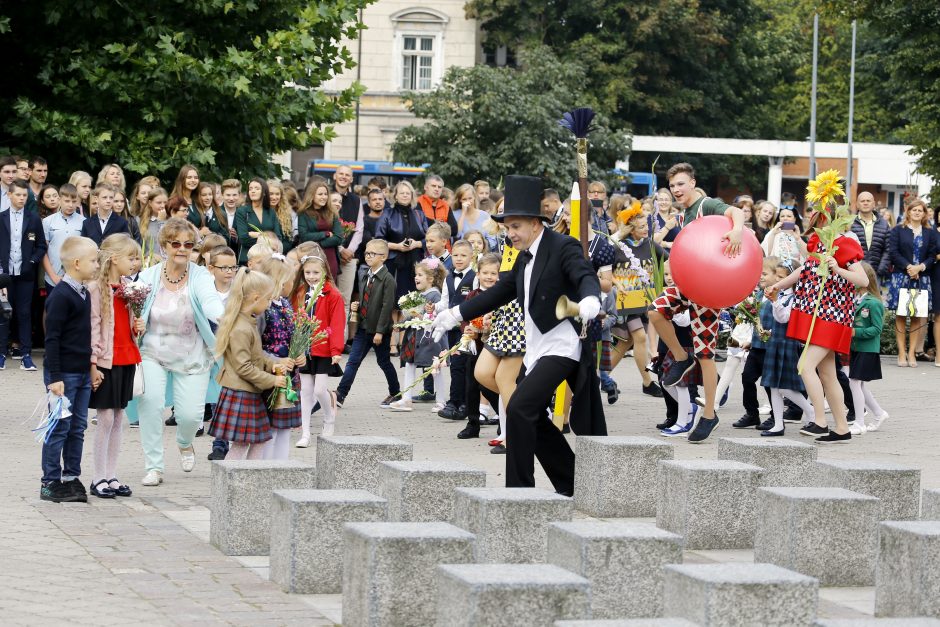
(702, 271)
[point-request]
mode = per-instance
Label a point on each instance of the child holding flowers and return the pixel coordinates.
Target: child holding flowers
(241, 416)
(114, 356)
(277, 327)
(316, 295)
(418, 346)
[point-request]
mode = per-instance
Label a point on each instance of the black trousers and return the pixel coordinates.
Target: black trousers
(472, 390)
(530, 434)
(750, 374)
(20, 295)
(458, 370)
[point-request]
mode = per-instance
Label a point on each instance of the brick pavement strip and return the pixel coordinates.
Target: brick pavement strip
(148, 558)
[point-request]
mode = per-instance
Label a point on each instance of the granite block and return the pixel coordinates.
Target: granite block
(785, 462)
(616, 557)
(240, 501)
(352, 462)
(897, 486)
(510, 523)
(509, 595)
(907, 580)
(617, 477)
(424, 491)
(307, 536)
(930, 504)
(710, 503)
(390, 570)
(791, 519)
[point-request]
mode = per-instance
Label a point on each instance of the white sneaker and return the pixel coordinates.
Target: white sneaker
(303, 442)
(878, 422)
(328, 428)
(764, 410)
(188, 459)
(857, 428)
(400, 405)
(437, 407)
(153, 477)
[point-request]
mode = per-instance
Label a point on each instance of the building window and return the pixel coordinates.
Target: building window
(417, 63)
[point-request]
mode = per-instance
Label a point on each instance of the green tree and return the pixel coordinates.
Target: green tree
(908, 59)
(485, 122)
(219, 84)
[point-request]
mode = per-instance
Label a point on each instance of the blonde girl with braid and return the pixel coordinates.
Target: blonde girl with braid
(114, 357)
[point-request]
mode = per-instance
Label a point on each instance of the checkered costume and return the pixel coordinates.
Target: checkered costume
(704, 327)
(240, 416)
(507, 331)
(833, 329)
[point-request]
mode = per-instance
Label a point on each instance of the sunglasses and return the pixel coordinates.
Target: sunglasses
(178, 245)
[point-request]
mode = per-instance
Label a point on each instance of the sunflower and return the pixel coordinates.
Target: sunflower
(824, 188)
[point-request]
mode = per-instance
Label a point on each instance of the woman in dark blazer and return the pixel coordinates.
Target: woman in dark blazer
(912, 246)
(257, 214)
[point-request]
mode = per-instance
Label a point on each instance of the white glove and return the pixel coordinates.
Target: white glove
(444, 322)
(588, 308)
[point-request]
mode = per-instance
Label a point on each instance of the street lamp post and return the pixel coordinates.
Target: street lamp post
(848, 166)
(812, 113)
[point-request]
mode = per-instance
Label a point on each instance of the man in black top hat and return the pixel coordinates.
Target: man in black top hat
(550, 265)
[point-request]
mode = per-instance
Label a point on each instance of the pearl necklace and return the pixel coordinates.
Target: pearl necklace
(171, 281)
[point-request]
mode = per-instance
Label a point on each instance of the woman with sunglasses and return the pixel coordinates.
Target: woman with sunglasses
(177, 346)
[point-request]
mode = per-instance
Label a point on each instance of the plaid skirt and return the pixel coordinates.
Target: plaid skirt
(692, 377)
(240, 417)
(780, 364)
(288, 417)
(606, 361)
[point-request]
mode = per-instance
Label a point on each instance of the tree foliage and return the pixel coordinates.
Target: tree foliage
(485, 122)
(219, 84)
(909, 59)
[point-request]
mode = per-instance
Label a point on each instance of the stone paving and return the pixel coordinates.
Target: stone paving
(146, 559)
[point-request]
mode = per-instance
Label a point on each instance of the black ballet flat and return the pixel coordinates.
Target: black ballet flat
(121, 490)
(102, 493)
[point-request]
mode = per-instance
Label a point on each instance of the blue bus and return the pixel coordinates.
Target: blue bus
(365, 170)
(637, 184)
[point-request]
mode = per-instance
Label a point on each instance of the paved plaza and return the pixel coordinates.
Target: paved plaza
(146, 559)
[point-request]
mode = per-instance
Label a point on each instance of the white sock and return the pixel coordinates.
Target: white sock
(307, 403)
(439, 390)
(279, 446)
(322, 391)
(800, 401)
(732, 365)
(411, 373)
(776, 404)
(871, 403)
(502, 420)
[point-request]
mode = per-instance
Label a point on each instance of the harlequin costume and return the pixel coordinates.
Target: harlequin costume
(833, 328)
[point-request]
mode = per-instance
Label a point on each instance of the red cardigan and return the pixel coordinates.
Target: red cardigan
(331, 312)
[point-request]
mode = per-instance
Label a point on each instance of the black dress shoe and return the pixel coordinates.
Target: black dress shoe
(794, 414)
(652, 390)
(746, 421)
(171, 421)
(767, 425)
(499, 449)
(121, 490)
(489, 422)
(200, 432)
(668, 422)
(467, 433)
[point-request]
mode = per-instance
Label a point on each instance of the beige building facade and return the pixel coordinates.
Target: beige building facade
(407, 46)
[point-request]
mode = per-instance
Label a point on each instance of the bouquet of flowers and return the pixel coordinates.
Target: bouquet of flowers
(135, 294)
(348, 228)
(305, 336)
(748, 312)
(412, 304)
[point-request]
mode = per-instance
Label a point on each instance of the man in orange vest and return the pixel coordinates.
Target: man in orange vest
(435, 207)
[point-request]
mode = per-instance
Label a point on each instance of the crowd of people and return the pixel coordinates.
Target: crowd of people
(191, 299)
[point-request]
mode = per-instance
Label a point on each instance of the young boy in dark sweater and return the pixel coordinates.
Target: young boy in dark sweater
(67, 371)
(375, 323)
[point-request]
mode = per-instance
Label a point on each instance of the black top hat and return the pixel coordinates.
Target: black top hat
(522, 197)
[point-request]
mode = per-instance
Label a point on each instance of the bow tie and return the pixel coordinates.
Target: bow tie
(525, 257)
(458, 275)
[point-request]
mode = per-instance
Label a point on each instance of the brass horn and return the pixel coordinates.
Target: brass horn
(566, 308)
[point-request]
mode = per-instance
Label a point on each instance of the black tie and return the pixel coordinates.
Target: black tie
(458, 276)
(525, 257)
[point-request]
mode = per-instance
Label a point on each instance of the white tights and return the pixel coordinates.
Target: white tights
(411, 373)
(732, 365)
(681, 394)
(108, 443)
(776, 404)
(502, 421)
(862, 398)
(279, 445)
(244, 450)
(313, 390)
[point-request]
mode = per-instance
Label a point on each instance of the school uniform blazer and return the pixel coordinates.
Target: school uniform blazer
(91, 227)
(246, 221)
(560, 268)
(901, 248)
(32, 245)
